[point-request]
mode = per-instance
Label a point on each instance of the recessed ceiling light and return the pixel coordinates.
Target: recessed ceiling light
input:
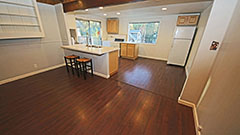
(100, 7)
(164, 9)
(105, 14)
(86, 10)
(118, 13)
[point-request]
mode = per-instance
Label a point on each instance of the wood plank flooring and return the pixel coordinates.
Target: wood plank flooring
(152, 75)
(58, 103)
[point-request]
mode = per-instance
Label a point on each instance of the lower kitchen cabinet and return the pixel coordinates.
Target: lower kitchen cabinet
(113, 62)
(124, 50)
(129, 50)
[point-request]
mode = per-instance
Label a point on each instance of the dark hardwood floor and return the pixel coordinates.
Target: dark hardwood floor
(58, 103)
(152, 75)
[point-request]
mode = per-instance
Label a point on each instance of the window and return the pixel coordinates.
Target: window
(89, 30)
(143, 32)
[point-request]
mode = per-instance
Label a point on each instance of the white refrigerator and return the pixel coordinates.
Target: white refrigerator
(181, 45)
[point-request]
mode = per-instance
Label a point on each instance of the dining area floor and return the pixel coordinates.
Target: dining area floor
(141, 99)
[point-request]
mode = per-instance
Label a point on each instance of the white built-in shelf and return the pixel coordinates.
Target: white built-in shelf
(20, 19)
(15, 24)
(23, 15)
(16, 3)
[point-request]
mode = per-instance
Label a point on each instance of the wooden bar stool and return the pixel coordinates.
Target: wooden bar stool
(70, 61)
(83, 65)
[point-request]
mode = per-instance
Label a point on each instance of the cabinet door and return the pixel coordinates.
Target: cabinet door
(193, 20)
(113, 26)
(124, 50)
(113, 62)
(131, 50)
(109, 25)
(182, 20)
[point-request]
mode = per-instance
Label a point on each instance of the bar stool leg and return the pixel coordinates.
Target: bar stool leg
(80, 67)
(66, 64)
(77, 67)
(71, 62)
(84, 70)
(91, 67)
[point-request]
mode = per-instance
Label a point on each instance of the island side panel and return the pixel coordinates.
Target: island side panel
(100, 63)
(113, 62)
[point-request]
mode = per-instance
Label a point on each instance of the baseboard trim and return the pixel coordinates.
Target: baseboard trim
(29, 74)
(195, 115)
(101, 75)
(186, 71)
(154, 58)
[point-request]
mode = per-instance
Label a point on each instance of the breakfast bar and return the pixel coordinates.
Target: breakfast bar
(105, 59)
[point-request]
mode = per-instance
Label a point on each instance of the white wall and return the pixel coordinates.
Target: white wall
(220, 107)
(161, 49)
(201, 27)
(62, 23)
(19, 56)
(71, 22)
(215, 30)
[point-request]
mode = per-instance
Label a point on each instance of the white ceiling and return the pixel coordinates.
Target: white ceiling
(149, 8)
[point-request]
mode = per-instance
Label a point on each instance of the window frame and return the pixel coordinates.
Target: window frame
(89, 31)
(136, 22)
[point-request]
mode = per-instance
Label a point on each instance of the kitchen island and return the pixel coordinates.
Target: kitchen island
(105, 59)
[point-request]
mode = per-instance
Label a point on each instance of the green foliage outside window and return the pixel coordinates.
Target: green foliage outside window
(89, 30)
(143, 32)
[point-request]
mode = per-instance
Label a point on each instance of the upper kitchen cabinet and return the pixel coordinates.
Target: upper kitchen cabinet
(20, 19)
(187, 20)
(112, 25)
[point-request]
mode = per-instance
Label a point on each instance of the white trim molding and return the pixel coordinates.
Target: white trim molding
(30, 74)
(154, 58)
(195, 115)
(186, 71)
(41, 71)
(101, 75)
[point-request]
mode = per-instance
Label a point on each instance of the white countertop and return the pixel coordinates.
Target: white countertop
(128, 42)
(90, 50)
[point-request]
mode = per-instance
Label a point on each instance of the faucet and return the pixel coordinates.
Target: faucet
(87, 43)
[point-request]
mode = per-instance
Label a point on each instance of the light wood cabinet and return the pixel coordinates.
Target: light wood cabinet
(124, 50)
(113, 62)
(112, 25)
(129, 51)
(187, 20)
(182, 20)
(193, 20)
